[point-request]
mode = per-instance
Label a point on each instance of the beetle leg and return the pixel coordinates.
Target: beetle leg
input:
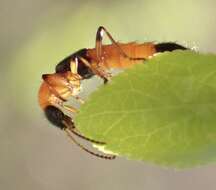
(74, 66)
(70, 108)
(99, 38)
(97, 70)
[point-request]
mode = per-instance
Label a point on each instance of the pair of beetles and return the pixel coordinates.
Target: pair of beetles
(58, 87)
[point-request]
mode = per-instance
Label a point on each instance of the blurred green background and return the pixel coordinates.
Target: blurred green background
(34, 36)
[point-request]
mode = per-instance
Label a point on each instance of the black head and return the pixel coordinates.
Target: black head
(55, 116)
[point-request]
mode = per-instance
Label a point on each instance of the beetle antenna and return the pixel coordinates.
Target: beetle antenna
(71, 128)
(86, 138)
(85, 149)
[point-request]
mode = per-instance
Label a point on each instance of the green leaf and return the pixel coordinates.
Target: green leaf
(163, 111)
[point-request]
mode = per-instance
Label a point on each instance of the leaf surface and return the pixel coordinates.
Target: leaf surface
(163, 111)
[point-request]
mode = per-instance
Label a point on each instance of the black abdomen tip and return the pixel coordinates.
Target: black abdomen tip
(55, 116)
(168, 46)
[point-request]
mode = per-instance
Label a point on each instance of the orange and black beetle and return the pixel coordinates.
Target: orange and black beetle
(58, 87)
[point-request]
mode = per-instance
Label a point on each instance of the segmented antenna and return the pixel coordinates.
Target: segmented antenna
(71, 128)
(85, 149)
(85, 138)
